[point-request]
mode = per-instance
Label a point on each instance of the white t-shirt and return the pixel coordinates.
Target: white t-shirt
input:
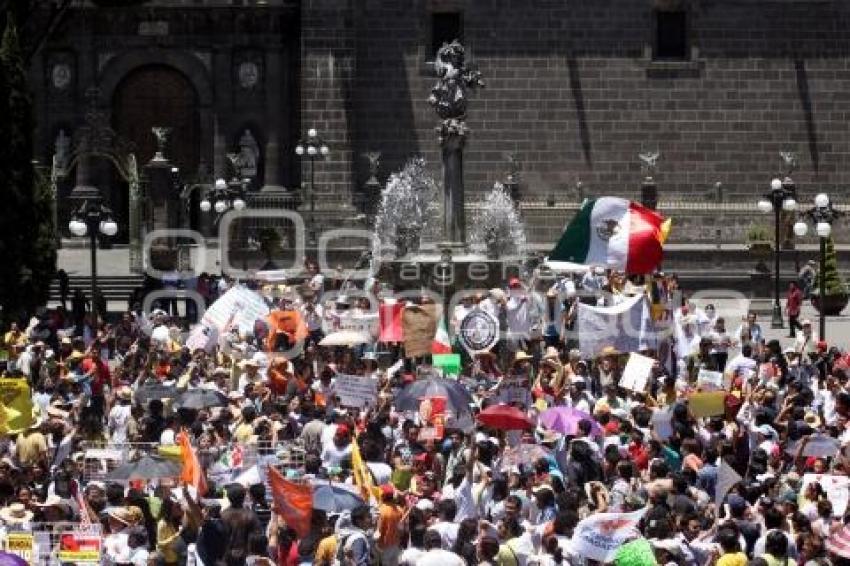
(167, 437)
(380, 471)
(333, 456)
(439, 557)
(463, 499)
(448, 532)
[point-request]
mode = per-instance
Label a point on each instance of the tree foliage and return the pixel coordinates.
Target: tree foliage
(834, 284)
(26, 233)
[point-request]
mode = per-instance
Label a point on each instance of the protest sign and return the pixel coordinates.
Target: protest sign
(449, 363)
(478, 331)
(239, 307)
(21, 544)
(419, 327)
(707, 404)
(627, 327)
(356, 391)
(203, 337)
(636, 373)
(364, 322)
(708, 380)
(390, 315)
(837, 490)
(662, 422)
(599, 536)
(79, 547)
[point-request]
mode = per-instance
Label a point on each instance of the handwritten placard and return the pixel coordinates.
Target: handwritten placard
(356, 391)
(637, 371)
(708, 380)
(707, 404)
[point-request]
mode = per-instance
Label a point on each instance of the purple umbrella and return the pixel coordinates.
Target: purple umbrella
(565, 420)
(7, 559)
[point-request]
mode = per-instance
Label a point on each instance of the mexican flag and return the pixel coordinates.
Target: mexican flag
(613, 233)
(441, 343)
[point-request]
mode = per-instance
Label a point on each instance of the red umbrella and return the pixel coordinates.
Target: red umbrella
(504, 417)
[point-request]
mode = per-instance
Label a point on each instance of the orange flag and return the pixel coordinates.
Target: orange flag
(192, 472)
(293, 502)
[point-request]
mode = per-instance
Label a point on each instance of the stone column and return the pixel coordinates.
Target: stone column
(454, 224)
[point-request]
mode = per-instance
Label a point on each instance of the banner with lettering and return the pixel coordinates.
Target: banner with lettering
(599, 536)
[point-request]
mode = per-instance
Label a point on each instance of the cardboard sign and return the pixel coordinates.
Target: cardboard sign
(419, 327)
(708, 404)
(708, 380)
(636, 373)
(356, 391)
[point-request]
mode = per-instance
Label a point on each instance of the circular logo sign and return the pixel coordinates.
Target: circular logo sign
(479, 331)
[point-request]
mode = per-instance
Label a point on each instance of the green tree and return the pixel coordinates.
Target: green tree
(834, 285)
(26, 233)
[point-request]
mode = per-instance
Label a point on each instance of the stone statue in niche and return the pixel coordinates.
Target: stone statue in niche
(62, 150)
(61, 76)
(249, 154)
(249, 74)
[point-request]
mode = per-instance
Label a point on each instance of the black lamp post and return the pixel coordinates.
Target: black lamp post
(315, 148)
(780, 197)
(821, 216)
(90, 219)
(224, 195)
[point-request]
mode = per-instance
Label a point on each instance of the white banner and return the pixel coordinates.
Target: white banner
(636, 373)
(599, 536)
(837, 490)
(202, 337)
(239, 307)
(708, 380)
(627, 327)
(356, 390)
(367, 323)
(727, 477)
(821, 446)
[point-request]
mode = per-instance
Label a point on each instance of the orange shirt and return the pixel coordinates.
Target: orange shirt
(389, 519)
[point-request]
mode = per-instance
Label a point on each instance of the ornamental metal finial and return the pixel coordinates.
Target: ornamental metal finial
(789, 161)
(448, 97)
(374, 159)
(650, 161)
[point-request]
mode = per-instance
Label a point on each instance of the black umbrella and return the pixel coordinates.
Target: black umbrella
(199, 399)
(334, 497)
(457, 397)
(150, 391)
(146, 468)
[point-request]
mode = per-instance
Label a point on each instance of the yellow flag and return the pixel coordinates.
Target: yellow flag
(15, 406)
(362, 475)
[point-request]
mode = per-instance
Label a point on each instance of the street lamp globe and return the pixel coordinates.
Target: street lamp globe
(765, 206)
(789, 205)
(238, 204)
(824, 229)
(311, 150)
(77, 227)
(776, 184)
(312, 132)
(220, 184)
(324, 150)
(801, 228)
(220, 206)
(822, 200)
(205, 205)
(108, 227)
(299, 149)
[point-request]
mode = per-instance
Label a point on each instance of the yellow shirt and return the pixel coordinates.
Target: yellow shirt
(166, 535)
(733, 559)
(243, 433)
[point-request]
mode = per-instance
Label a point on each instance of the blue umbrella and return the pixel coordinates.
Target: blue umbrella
(334, 497)
(7, 559)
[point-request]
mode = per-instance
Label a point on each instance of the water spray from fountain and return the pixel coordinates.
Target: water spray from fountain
(409, 208)
(497, 229)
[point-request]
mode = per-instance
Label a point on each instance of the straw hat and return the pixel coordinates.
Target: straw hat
(124, 393)
(521, 356)
(16, 514)
(609, 351)
(812, 419)
(120, 514)
(52, 500)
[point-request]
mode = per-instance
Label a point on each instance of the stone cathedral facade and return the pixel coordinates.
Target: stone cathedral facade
(576, 89)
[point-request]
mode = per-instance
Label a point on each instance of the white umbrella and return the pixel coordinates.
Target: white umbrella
(345, 338)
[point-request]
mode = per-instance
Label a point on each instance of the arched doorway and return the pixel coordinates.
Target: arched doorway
(157, 95)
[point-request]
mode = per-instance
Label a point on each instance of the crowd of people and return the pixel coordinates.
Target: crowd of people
(474, 491)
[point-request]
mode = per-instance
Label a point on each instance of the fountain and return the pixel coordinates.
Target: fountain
(410, 210)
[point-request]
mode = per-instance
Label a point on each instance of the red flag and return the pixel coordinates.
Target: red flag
(192, 472)
(293, 502)
(390, 318)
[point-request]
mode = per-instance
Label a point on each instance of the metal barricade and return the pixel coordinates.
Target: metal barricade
(54, 544)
